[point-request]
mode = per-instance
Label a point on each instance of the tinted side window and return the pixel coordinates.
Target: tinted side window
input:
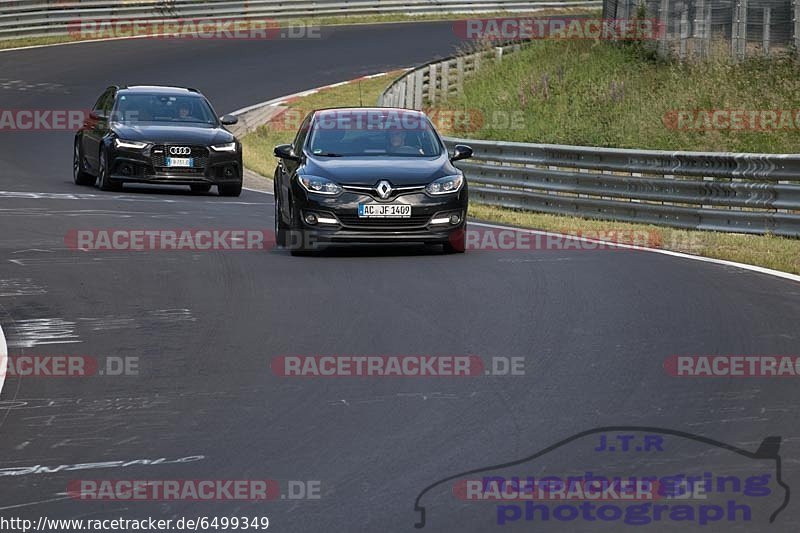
(105, 102)
(98, 106)
(302, 133)
(108, 102)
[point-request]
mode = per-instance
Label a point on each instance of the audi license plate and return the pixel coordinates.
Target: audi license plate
(180, 162)
(384, 210)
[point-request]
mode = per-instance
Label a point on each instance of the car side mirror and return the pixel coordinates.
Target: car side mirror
(285, 151)
(461, 151)
(98, 115)
(229, 120)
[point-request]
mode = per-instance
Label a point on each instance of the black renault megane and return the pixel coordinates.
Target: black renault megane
(157, 135)
(369, 175)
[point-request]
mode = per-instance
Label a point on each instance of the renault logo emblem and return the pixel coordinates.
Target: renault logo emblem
(384, 189)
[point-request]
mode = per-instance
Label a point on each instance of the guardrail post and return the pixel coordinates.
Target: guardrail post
(460, 74)
(766, 35)
(409, 100)
(739, 30)
(684, 33)
(433, 82)
(663, 18)
(401, 97)
(797, 26)
(699, 21)
(445, 79)
(796, 20)
(498, 53)
(623, 12)
(708, 31)
(419, 81)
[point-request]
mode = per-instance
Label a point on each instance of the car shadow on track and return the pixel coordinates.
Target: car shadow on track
(369, 250)
(169, 190)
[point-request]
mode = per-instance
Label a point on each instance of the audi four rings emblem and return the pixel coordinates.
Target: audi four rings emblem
(179, 150)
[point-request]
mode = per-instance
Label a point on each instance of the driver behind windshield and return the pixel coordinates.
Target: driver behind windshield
(397, 143)
(185, 112)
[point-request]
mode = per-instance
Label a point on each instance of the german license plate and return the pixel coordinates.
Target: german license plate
(180, 162)
(384, 210)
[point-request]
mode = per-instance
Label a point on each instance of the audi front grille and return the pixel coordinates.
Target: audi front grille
(198, 153)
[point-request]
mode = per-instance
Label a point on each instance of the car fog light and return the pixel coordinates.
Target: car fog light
(228, 172)
(455, 219)
(311, 218)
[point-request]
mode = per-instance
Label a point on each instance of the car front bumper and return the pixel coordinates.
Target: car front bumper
(338, 220)
(211, 168)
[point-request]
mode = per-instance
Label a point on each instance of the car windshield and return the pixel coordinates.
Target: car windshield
(133, 108)
(373, 133)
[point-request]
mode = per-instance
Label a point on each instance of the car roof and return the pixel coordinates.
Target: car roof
(161, 89)
(384, 110)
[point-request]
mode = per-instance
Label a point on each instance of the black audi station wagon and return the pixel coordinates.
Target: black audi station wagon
(157, 135)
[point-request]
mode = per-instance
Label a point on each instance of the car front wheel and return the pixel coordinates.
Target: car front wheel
(280, 225)
(79, 176)
(103, 181)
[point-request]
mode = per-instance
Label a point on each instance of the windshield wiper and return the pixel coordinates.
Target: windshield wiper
(327, 154)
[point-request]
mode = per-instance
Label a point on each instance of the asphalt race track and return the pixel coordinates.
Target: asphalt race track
(593, 328)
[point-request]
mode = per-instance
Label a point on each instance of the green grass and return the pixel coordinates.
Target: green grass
(602, 94)
(35, 41)
(762, 250)
(258, 146)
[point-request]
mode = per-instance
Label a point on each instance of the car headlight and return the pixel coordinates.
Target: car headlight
(228, 147)
(133, 145)
(319, 185)
(446, 185)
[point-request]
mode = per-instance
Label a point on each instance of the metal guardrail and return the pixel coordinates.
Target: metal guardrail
(734, 192)
(36, 18)
(437, 80)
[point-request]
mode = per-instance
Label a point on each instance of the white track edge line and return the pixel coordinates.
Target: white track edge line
(681, 255)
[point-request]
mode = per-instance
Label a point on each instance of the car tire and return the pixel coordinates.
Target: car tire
(280, 225)
(456, 242)
(201, 187)
(234, 190)
(79, 176)
(103, 181)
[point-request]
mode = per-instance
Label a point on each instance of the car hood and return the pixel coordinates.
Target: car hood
(173, 134)
(367, 171)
